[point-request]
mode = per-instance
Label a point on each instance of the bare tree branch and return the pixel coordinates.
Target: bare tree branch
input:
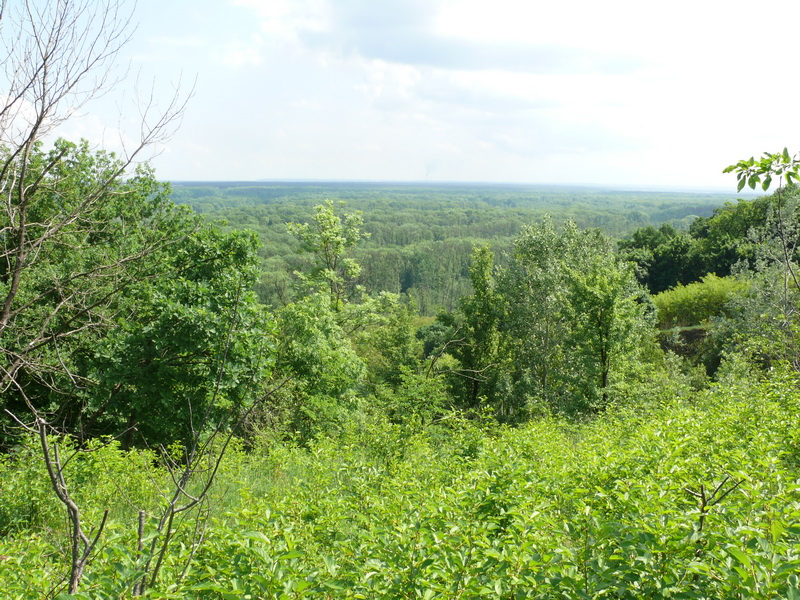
(55, 57)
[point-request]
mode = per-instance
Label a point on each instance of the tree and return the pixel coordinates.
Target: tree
(732, 235)
(573, 319)
(94, 280)
(192, 341)
(55, 203)
(786, 169)
(664, 257)
(61, 272)
(764, 322)
(535, 326)
(315, 351)
(119, 325)
(606, 316)
(330, 238)
(478, 350)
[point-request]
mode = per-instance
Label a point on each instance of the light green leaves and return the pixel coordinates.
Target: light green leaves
(573, 317)
(330, 238)
(752, 172)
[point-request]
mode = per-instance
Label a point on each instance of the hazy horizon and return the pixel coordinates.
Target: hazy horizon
(717, 190)
(514, 91)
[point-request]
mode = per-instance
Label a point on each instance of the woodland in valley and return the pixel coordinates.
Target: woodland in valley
(420, 236)
(223, 391)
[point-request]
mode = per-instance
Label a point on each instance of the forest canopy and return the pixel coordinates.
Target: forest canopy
(410, 224)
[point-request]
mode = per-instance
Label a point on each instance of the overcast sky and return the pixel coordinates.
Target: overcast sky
(560, 91)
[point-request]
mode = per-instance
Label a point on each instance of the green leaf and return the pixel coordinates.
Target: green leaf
(334, 584)
(766, 183)
(740, 556)
(776, 529)
(256, 535)
(741, 184)
(794, 529)
(301, 585)
(788, 567)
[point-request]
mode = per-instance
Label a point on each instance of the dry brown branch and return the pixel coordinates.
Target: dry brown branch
(55, 57)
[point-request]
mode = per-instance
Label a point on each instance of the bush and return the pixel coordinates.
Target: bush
(696, 303)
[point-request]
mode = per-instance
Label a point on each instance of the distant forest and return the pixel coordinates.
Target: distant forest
(421, 235)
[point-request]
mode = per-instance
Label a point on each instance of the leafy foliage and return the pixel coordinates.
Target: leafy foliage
(607, 508)
(329, 239)
(479, 351)
(761, 172)
(697, 303)
(128, 315)
(421, 236)
(377, 466)
(664, 256)
(736, 234)
(195, 341)
(572, 319)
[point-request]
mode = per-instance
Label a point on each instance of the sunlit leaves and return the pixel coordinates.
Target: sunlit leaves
(330, 238)
(573, 318)
(753, 172)
(548, 510)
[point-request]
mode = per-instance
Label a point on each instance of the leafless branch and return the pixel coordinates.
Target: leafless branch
(55, 57)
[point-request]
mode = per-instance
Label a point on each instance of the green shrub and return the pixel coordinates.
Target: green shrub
(696, 303)
(691, 497)
(26, 496)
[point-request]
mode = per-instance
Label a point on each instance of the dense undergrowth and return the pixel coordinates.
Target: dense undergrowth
(688, 495)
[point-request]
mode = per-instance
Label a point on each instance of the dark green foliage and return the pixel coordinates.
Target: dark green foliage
(732, 234)
(193, 341)
(387, 341)
(436, 335)
(664, 257)
(131, 317)
(736, 234)
(338, 345)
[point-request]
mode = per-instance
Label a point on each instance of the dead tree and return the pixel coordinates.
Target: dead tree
(57, 56)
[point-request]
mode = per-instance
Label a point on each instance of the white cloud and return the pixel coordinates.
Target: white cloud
(178, 42)
(519, 90)
(285, 20)
(239, 53)
(389, 86)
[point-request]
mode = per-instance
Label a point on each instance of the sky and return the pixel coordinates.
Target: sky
(620, 92)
